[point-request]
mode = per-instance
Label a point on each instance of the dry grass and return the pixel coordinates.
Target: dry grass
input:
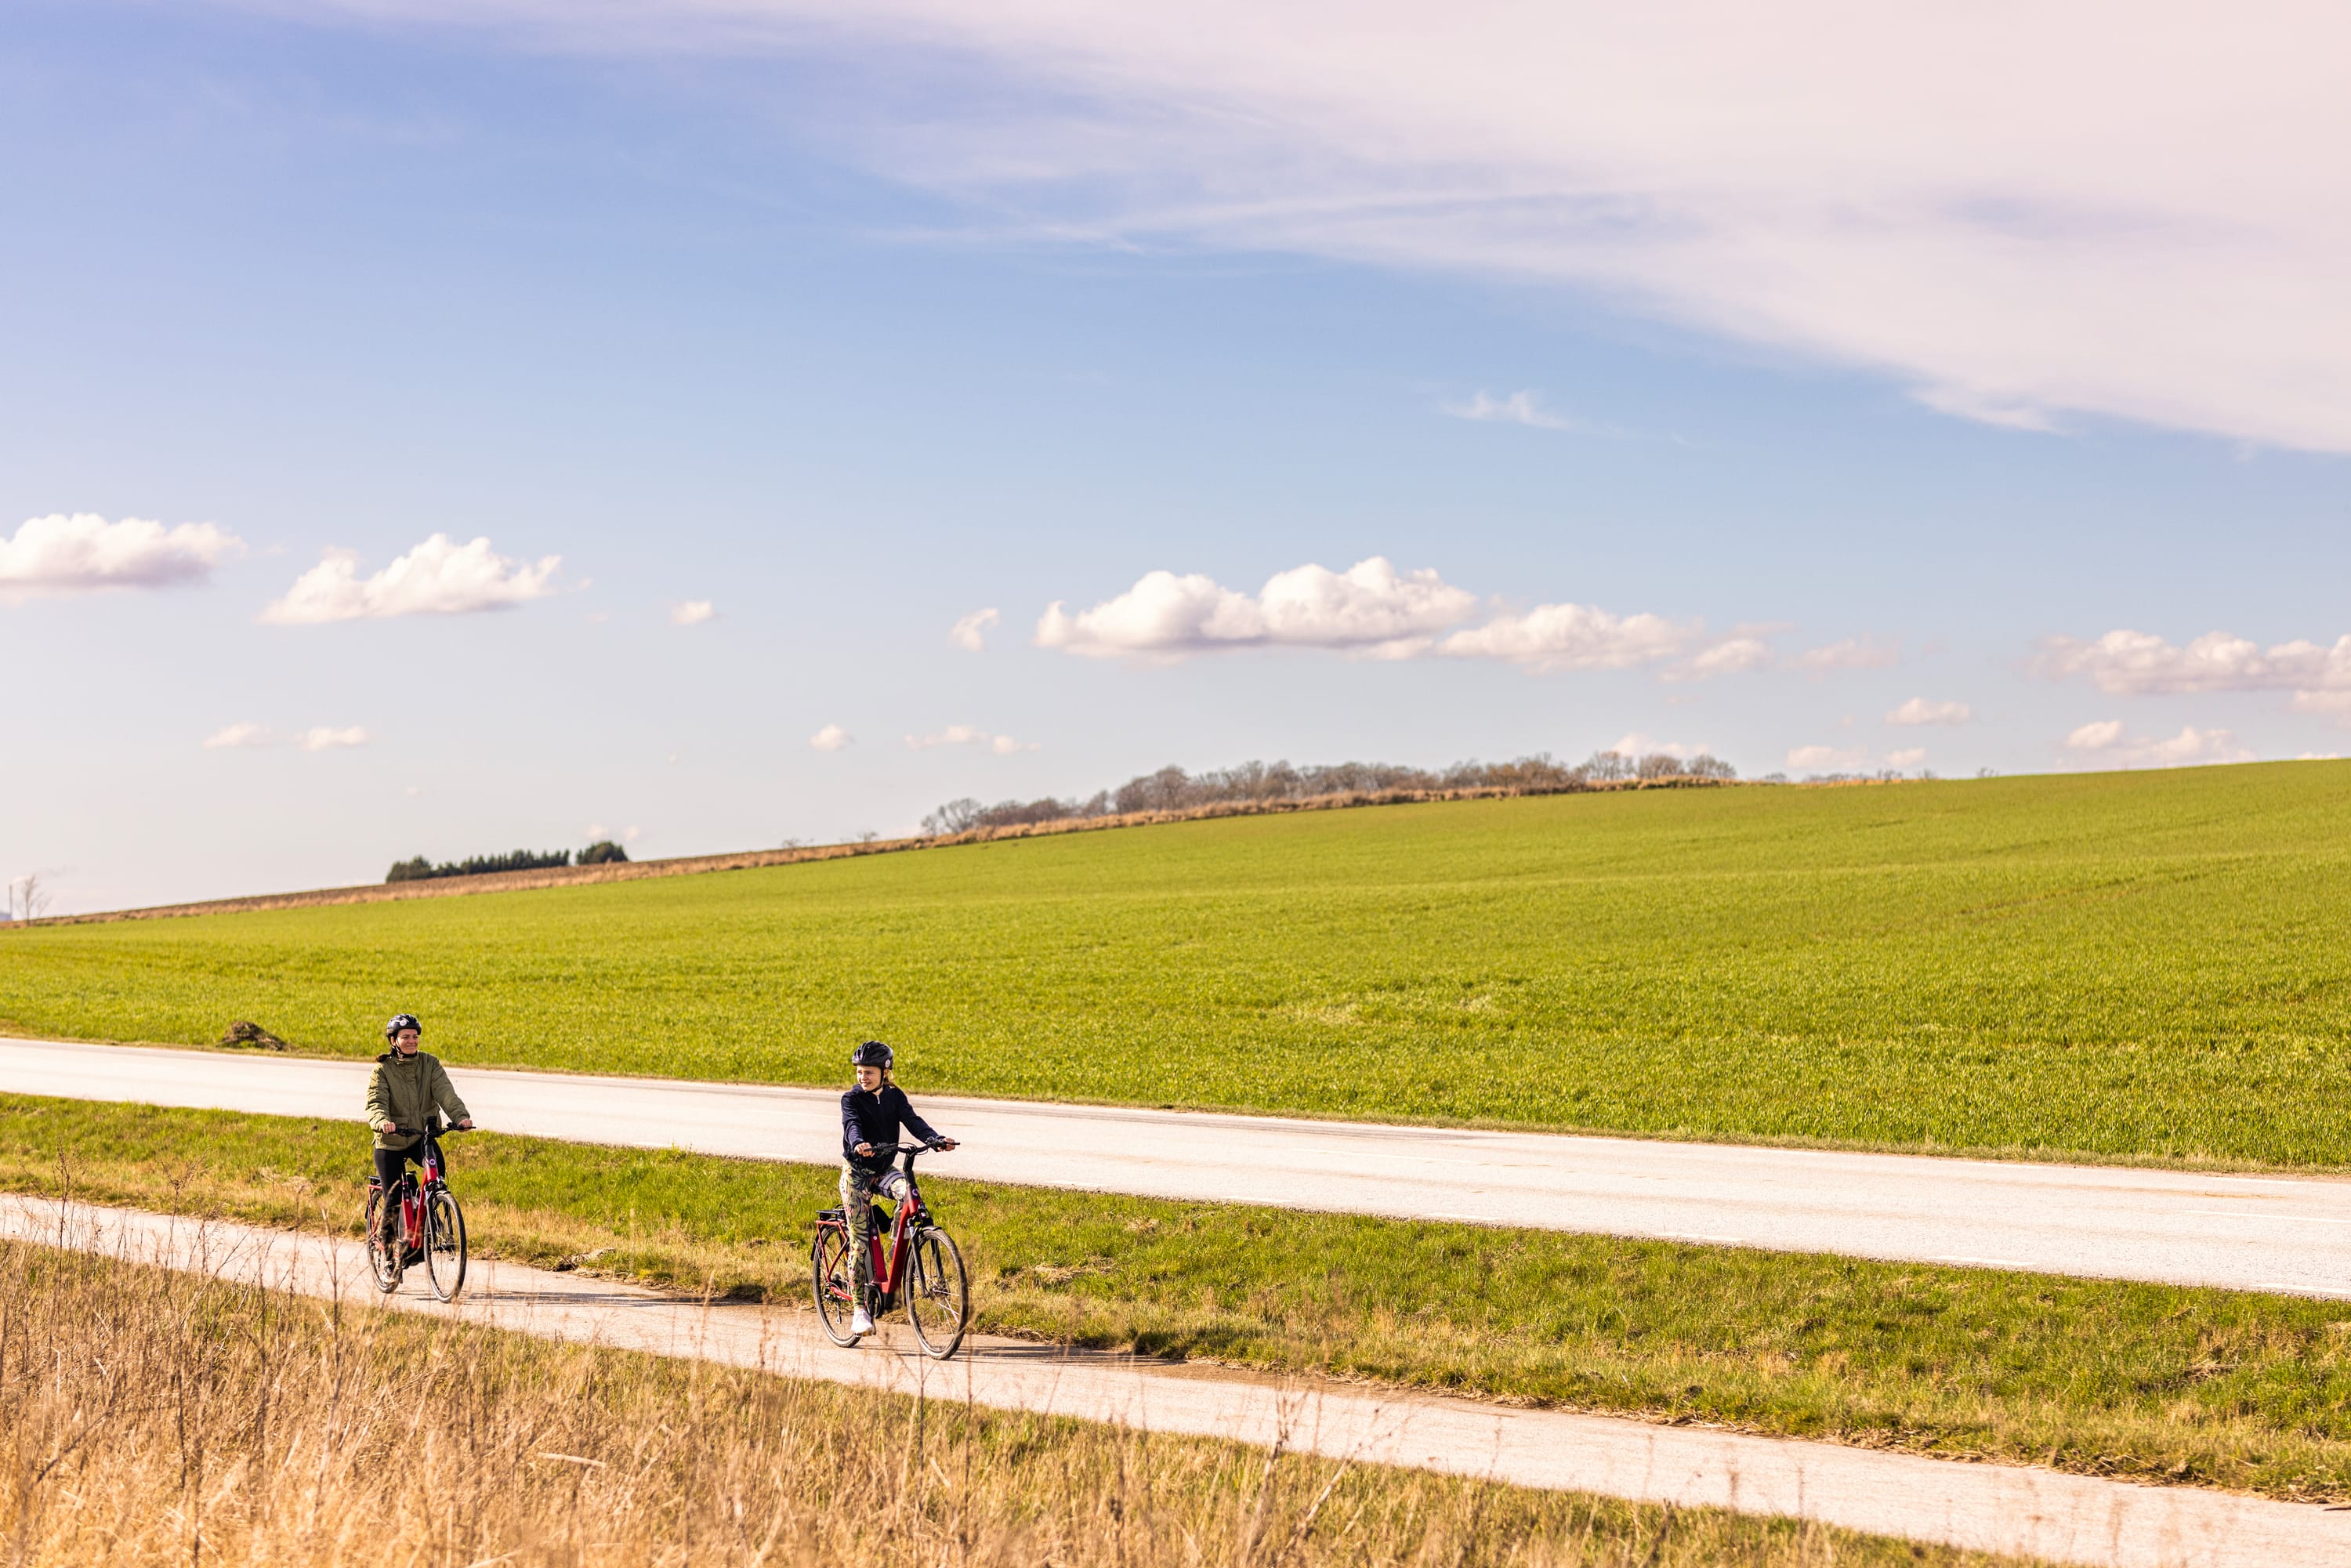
(151, 1417)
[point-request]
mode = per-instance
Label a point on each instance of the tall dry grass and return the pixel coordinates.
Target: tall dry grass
(154, 1417)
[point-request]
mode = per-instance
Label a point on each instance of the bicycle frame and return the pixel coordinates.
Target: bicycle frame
(890, 1265)
(411, 1193)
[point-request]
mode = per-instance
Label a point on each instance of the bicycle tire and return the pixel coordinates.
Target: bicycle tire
(938, 1293)
(444, 1243)
(830, 1281)
(385, 1265)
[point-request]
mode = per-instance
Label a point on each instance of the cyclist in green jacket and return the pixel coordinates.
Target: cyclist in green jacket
(404, 1091)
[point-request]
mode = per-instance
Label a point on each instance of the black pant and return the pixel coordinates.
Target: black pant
(391, 1164)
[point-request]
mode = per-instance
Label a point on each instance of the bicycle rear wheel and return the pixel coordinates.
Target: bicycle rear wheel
(444, 1243)
(833, 1281)
(938, 1297)
(383, 1263)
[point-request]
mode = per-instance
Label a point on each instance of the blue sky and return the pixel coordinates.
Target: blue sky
(847, 337)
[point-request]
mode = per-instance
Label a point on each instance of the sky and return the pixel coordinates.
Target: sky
(437, 429)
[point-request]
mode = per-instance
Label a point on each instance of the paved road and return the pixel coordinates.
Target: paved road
(2262, 1233)
(1990, 1508)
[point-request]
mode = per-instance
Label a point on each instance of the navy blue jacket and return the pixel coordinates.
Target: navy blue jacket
(876, 1119)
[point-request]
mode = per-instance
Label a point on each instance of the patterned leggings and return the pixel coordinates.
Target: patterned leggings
(858, 1190)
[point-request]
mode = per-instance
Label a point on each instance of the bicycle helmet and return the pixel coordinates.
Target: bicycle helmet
(872, 1053)
(400, 1021)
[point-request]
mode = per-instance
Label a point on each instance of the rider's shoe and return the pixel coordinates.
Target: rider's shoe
(862, 1323)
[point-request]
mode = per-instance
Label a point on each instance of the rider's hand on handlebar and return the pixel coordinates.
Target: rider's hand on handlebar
(943, 1145)
(865, 1149)
(387, 1126)
(466, 1125)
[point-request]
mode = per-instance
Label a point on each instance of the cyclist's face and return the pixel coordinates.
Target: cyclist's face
(869, 1078)
(406, 1040)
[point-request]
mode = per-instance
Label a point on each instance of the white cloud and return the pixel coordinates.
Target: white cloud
(2131, 663)
(2140, 228)
(592, 832)
(2105, 743)
(84, 552)
(1570, 637)
(966, 735)
(691, 613)
(1908, 756)
(324, 739)
(238, 735)
(1919, 710)
(1371, 608)
(1850, 653)
(971, 633)
(1639, 745)
(632, 834)
(831, 738)
(1827, 759)
(439, 576)
(1521, 408)
(1731, 656)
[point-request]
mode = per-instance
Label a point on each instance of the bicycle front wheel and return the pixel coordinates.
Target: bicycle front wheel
(938, 1297)
(444, 1243)
(383, 1263)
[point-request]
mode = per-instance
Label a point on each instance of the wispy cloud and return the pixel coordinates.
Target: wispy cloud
(966, 735)
(1850, 653)
(1522, 408)
(439, 576)
(831, 738)
(1827, 759)
(1638, 744)
(1920, 710)
(84, 553)
(2107, 744)
(692, 612)
(236, 735)
(970, 633)
(329, 738)
(1812, 176)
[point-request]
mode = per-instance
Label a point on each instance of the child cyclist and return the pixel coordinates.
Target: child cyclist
(871, 1115)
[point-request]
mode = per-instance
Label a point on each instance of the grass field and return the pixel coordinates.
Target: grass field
(150, 1419)
(2133, 965)
(2156, 1382)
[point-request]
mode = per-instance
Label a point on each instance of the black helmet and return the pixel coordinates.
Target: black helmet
(400, 1021)
(872, 1053)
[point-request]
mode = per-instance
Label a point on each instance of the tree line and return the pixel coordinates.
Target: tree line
(1171, 788)
(423, 870)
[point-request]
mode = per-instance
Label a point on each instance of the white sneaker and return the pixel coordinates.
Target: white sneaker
(861, 1324)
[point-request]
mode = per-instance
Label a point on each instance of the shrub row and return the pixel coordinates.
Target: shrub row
(1173, 789)
(423, 870)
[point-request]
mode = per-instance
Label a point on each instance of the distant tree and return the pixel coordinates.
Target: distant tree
(603, 851)
(867, 835)
(1706, 765)
(1608, 767)
(954, 817)
(415, 870)
(421, 870)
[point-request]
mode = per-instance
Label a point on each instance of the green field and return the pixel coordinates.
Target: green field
(2128, 965)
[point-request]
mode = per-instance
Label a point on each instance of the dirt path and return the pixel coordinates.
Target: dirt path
(1991, 1508)
(2281, 1234)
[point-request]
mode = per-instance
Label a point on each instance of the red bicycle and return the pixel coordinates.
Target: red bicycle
(920, 1265)
(432, 1226)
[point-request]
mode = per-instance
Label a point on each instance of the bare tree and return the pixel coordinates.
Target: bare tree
(27, 899)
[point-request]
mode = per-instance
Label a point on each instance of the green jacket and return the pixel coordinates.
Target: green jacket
(404, 1091)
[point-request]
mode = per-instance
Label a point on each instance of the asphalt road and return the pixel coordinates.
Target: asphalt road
(2261, 1233)
(2012, 1509)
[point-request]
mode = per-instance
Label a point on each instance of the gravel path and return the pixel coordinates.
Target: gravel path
(1993, 1508)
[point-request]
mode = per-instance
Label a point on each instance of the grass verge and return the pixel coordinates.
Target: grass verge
(2155, 1383)
(148, 1417)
